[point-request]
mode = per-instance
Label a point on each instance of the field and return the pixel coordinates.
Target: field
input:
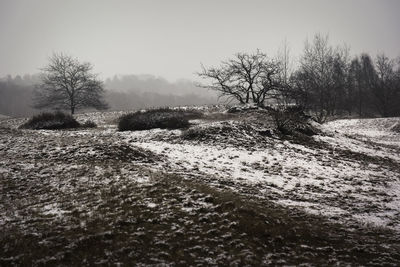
(227, 191)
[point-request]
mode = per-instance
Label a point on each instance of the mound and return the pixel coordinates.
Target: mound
(254, 127)
(228, 132)
(106, 152)
(3, 117)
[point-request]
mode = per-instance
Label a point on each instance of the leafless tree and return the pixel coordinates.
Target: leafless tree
(286, 95)
(386, 91)
(356, 95)
(247, 78)
(69, 84)
(320, 78)
(362, 79)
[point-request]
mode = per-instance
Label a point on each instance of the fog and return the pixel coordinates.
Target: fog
(123, 92)
(171, 38)
(155, 48)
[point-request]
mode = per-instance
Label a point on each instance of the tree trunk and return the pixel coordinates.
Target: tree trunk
(72, 104)
(359, 103)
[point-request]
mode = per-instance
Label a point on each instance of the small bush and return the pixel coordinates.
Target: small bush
(164, 118)
(292, 120)
(51, 121)
(89, 124)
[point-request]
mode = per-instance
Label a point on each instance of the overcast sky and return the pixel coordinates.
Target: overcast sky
(170, 38)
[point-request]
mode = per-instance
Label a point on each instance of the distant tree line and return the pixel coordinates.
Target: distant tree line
(123, 92)
(126, 92)
(16, 95)
(326, 82)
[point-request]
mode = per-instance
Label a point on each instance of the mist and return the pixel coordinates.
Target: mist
(123, 92)
(126, 92)
(171, 40)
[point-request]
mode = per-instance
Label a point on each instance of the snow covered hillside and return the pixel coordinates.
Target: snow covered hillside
(62, 189)
(349, 173)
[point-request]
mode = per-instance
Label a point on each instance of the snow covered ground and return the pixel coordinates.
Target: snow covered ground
(348, 174)
(352, 173)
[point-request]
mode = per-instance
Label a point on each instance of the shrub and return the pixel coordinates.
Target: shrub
(163, 118)
(292, 120)
(89, 124)
(51, 121)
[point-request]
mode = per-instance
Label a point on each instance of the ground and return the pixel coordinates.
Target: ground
(226, 191)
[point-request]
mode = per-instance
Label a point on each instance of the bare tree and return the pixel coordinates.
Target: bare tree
(385, 92)
(339, 87)
(362, 78)
(320, 79)
(355, 96)
(286, 95)
(248, 78)
(69, 84)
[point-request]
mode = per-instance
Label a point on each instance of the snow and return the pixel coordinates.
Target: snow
(297, 170)
(53, 209)
(151, 205)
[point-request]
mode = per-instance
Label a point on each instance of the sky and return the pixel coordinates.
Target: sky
(172, 38)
